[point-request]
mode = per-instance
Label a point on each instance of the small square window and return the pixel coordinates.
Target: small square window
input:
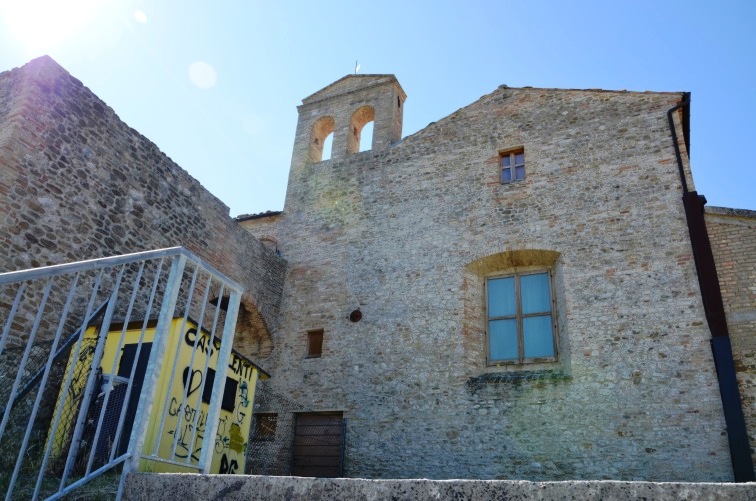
(265, 426)
(315, 343)
(512, 166)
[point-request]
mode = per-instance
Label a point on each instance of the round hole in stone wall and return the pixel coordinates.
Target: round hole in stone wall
(356, 315)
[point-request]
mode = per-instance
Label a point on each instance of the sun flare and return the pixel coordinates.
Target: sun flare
(42, 25)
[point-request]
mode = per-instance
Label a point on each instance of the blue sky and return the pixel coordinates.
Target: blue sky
(230, 121)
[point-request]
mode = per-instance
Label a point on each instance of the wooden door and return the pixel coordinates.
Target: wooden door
(318, 445)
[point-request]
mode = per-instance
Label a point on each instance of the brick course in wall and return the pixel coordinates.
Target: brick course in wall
(407, 233)
(78, 183)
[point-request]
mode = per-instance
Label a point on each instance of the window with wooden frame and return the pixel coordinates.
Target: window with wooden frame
(265, 426)
(314, 343)
(512, 164)
(520, 312)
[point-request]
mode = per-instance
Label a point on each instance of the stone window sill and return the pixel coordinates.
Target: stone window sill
(479, 382)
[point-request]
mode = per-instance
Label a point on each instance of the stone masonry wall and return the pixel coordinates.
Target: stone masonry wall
(78, 183)
(733, 239)
(262, 226)
(408, 235)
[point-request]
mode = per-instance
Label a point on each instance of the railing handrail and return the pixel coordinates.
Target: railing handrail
(106, 262)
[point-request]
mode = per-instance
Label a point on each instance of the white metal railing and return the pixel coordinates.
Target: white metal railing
(74, 405)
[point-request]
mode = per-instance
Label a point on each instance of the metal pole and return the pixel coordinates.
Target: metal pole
(220, 379)
(67, 384)
(140, 344)
(89, 388)
(152, 373)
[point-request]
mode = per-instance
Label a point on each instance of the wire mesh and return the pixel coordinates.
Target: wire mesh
(270, 449)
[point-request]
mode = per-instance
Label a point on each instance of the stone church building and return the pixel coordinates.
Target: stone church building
(528, 288)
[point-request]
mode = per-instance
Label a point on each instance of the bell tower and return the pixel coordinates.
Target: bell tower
(344, 108)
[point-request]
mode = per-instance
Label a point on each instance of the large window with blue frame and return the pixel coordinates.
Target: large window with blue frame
(520, 318)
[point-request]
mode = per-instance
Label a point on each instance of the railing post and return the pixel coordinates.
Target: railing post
(227, 340)
(152, 373)
(91, 380)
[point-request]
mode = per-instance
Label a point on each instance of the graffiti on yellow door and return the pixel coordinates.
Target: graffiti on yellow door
(183, 403)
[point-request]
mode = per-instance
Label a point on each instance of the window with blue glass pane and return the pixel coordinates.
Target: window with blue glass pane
(512, 166)
(520, 320)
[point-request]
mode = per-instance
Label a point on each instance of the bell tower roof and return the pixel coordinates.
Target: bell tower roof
(353, 83)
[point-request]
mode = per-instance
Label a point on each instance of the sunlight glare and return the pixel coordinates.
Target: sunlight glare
(202, 74)
(42, 25)
(140, 16)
